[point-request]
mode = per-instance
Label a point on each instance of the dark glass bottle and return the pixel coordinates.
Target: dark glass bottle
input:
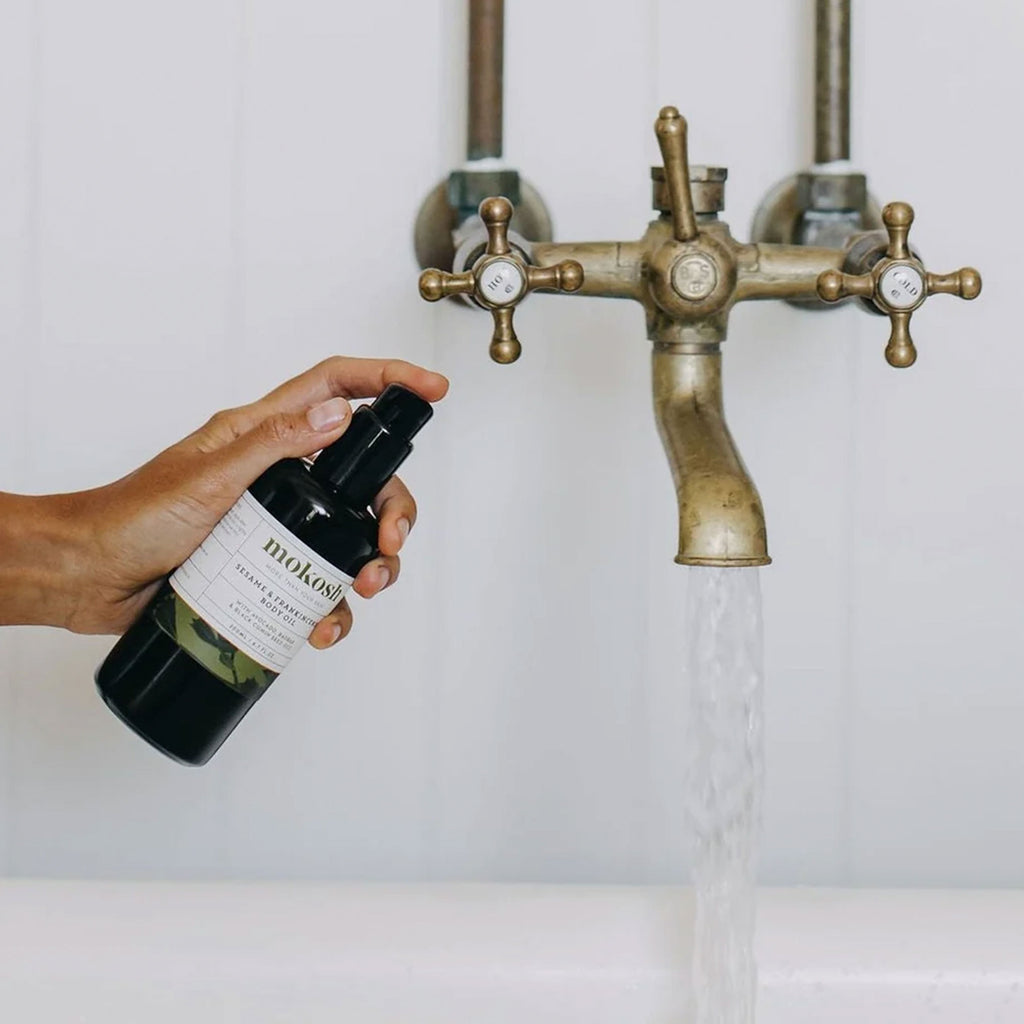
(226, 622)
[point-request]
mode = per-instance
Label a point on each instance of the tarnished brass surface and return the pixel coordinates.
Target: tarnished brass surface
(437, 284)
(670, 129)
(781, 271)
(647, 270)
(721, 521)
(437, 219)
(790, 214)
(500, 279)
(707, 189)
(486, 71)
(496, 213)
(832, 81)
(898, 284)
(611, 269)
(688, 273)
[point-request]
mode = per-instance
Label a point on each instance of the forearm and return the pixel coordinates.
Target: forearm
(41, 566)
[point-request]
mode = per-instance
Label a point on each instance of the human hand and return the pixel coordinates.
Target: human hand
(116, 544)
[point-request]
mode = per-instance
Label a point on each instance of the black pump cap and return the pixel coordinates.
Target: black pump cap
(402, 411)
(376, 443)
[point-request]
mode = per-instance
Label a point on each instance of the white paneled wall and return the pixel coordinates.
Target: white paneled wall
(198, 199)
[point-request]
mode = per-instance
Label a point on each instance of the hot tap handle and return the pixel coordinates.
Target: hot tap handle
(898, 284)
(439, 284)
(496, 213)
(501, 279)
(671, 131)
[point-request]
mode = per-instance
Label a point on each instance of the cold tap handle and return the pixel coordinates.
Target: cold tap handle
(900, 351)
(898, 284)
(500, 279)
(834, 285)
(964, 283)
(897, 218)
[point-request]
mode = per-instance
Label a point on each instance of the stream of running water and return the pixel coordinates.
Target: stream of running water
(726, 772)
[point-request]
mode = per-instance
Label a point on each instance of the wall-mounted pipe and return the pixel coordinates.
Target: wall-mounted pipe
(832, 81)
(439, 236)
(828, 204)
(486, 72)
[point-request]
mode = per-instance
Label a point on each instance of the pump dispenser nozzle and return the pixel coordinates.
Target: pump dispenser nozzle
(376, 443)
(401, 411)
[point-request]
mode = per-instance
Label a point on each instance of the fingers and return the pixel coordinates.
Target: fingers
(376, 575)
(281, 435)
(358, 378)
(396, 513)
(395, 508)
(334, 627)
(339, 376)
(372, 579)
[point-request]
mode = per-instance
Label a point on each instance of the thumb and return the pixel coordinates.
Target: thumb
(281, 435)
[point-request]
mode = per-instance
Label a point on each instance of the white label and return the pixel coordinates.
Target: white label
(902, 286)
(258, 585)
(501, 282)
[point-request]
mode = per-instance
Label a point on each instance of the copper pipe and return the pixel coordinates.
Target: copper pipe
(832, 81)
(486, 69)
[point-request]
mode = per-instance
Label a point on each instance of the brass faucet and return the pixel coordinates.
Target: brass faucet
(687, 271)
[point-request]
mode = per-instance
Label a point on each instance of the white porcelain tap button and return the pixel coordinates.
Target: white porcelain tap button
(502, 282)
(901, 286)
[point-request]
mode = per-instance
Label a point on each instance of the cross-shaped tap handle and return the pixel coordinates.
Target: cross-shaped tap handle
(501, 279)
(898, 284)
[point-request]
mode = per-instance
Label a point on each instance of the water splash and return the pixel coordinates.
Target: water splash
(726, 771)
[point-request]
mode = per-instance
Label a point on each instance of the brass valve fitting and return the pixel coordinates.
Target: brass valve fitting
(501, 279)
(898, 284)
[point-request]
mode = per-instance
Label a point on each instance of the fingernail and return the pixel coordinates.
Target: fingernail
(329, 414)
(333, 635)
(404, 526)
(383, 577)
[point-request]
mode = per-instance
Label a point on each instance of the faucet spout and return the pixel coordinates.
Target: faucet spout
(721, 521)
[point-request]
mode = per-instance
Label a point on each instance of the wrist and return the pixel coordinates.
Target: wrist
(42, 560)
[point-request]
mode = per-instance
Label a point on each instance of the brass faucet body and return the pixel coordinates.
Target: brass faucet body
(687, 271)
(687, 290)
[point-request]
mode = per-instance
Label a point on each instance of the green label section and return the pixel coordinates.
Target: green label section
(204, 644)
